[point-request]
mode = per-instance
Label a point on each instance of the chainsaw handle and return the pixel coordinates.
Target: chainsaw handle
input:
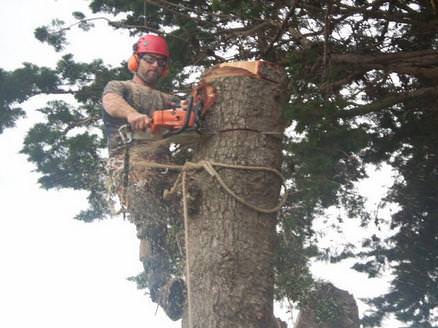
(138, 121)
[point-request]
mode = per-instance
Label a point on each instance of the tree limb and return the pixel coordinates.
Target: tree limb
(374, 13)
(83, 122)
(335, 85)
(422, 63)
(387, 102)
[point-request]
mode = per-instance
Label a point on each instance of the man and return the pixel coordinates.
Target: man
(140, 189)
(134, 101)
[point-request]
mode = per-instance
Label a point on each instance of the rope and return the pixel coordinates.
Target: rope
(209, 167)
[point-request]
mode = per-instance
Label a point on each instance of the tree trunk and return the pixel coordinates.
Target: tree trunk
(230, 246)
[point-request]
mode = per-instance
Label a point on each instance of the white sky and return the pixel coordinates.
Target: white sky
(59, 272)
(56, 271)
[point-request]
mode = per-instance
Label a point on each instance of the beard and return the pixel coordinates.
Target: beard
(149, 77)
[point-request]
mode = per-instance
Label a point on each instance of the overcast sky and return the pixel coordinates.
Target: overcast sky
(59, 272)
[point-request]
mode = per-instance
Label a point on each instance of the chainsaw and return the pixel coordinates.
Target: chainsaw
(177, 124)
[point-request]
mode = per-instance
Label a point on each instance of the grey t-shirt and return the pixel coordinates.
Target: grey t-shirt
(143, 98)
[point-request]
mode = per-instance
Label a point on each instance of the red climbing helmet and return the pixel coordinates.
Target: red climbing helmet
(152, 44)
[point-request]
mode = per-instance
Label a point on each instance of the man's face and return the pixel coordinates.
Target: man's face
(151, 67)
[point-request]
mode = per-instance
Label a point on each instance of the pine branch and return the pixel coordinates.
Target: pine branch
(387, 103)
(416, 63)
(83, 122)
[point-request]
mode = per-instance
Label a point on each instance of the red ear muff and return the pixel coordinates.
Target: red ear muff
(133, 63)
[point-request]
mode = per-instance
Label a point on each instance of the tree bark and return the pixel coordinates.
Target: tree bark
(230, 246)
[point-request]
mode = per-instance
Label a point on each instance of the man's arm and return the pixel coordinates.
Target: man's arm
(116, 106)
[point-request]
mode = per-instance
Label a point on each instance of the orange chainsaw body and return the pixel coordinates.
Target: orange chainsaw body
(177, 120)
(170, 119)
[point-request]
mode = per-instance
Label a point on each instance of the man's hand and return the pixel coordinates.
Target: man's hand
(116, 106)
(138, 121)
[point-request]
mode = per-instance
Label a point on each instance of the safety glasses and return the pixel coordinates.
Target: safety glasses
(150, 59)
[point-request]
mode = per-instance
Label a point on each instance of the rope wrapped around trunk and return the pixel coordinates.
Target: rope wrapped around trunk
(209, 166)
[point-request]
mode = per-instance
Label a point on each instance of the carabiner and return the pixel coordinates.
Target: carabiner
(125, 134)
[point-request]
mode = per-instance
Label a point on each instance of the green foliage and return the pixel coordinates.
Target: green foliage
(68, 158)
(362, 76)
(67, 146)
(412, 252)
(53, 34)
(292, 277)
(325, 304)
(8, 113)
(140, 280)
(78, 15)
(19, 85)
